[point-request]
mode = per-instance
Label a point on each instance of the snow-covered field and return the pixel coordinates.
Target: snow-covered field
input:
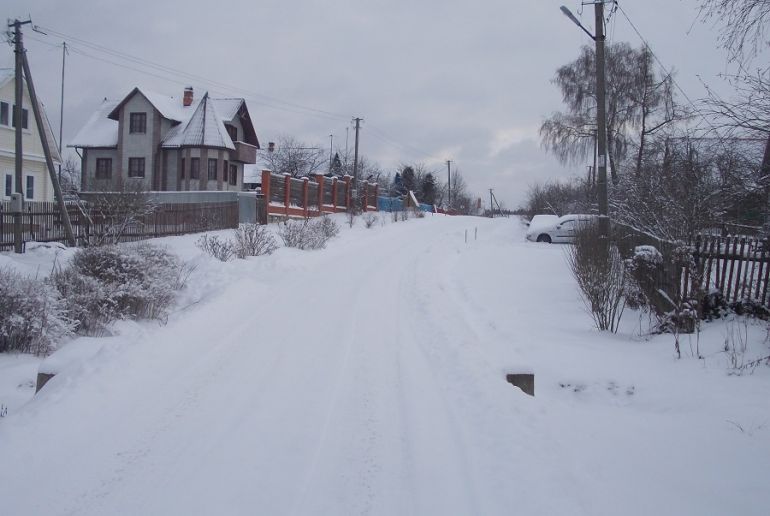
(369, 378)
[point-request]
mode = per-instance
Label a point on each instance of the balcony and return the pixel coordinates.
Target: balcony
(244, 153)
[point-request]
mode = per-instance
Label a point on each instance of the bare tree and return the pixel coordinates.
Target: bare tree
(638, 104)
(70, 175)
(296, 158)
(744, 25)
(113, 213)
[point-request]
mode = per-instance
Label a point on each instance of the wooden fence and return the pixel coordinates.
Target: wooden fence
(285, 196)
(737, 267)
(41, 221)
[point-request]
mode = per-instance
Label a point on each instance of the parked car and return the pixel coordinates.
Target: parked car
(539, 223)
(560, 230)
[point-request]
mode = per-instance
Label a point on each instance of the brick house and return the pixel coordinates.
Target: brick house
(163, 143)
(36, 183)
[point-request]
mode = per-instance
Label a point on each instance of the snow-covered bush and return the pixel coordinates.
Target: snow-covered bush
(307, 235)
(253, 240)
(369, 219)
(220, 249)
(600, 274)
(102, 284)
(33, 315)
(327, 227)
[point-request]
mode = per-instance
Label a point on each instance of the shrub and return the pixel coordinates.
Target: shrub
(106, 283)
(327, 227)
(370, 219)
(220, 249)
(33, 315)
(598, 269)
(307, 235)
(253, 240)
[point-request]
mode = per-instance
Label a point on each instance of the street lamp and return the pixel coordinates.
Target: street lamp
(601, 116)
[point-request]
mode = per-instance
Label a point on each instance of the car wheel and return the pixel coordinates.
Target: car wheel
(544, 238)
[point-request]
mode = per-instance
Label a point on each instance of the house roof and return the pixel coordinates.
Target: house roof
(200, 124)
(100, 131)
(170, 107)
(205, 128)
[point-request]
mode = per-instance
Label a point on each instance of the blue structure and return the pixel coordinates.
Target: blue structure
(391, 204)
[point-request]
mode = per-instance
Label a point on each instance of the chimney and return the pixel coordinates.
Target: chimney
(187, 100)
(270, 146)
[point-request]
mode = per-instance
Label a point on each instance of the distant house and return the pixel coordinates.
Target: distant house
(165, 143)
(36, 182)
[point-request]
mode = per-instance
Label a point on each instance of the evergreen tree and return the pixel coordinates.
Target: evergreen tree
(428, 189)
(408, 178)
(336, 168)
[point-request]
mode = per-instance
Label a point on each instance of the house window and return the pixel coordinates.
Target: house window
(103, 168)
(24, 118)
(4, 113)
(212, 169)
(137, 123)
(233, 174)
(195, 168)
(135, 167)
(30, 187)
(232, 131)
(8, 185)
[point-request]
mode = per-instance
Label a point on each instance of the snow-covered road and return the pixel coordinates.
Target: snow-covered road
(368, 378)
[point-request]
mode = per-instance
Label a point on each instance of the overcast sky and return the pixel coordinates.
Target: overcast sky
(433, 80)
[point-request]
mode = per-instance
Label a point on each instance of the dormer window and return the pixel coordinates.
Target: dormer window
(232, 131)
(137, 123)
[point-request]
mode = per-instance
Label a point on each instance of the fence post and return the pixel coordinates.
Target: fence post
(319, 178)
(376, 196)
(334, 194)
(266, 174)
(348, 193)
(305, 187)
(286, 193)
(366, 196)
(261, 209)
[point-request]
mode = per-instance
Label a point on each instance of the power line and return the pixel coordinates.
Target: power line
(257, 97)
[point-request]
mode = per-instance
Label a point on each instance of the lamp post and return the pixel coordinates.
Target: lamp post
(601, 116)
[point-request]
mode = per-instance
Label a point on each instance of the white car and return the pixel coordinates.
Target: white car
(556, 229)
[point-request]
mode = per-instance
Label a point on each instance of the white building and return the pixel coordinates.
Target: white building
(36, 184)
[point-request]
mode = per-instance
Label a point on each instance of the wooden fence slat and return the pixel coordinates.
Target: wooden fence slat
(738, 273)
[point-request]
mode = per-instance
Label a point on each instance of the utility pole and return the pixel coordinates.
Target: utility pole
(449, 183)
(18, 237)
(601, 121)
(331, 146)
(491, 209)
(355, 154)
(61, 105)
(47, 152)
(601, 115)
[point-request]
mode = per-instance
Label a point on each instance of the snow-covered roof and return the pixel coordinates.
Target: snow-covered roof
(227, 108)
(170, 107)
(99, 131)
(200, 124)
(204, 128)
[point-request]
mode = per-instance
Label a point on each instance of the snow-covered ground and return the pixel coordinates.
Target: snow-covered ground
(369, 378)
